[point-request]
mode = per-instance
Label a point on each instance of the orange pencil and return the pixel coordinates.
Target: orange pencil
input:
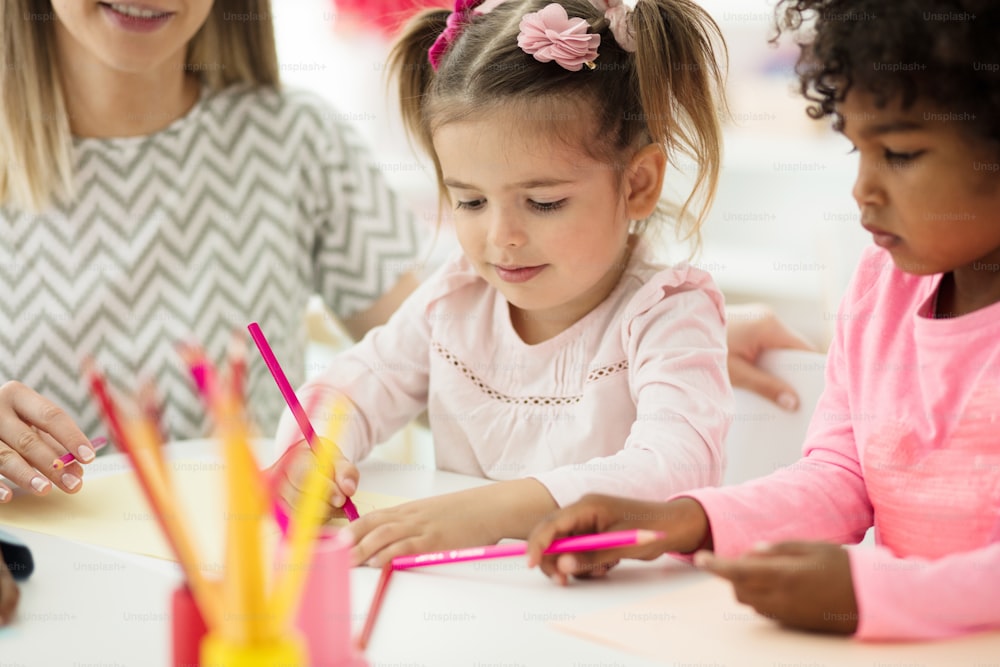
(141, 453)
(237, 356)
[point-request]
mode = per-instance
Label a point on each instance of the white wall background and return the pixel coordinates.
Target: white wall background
(783, 229)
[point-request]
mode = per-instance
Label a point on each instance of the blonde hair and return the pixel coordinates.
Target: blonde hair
(670, 91)
(35, 140)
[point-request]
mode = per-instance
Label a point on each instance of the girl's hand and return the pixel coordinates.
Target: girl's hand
(752, 329)
(683, 520)
(804, 585)
(470, 518)
(34, 431)
(9, 594)
(288, 474)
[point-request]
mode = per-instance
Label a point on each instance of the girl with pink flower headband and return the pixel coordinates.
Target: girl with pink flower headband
(554, 355)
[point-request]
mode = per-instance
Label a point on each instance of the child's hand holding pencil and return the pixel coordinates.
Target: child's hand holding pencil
(682, 521)
(288, 473)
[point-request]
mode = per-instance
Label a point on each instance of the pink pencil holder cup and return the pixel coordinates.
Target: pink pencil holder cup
(324, 616)
(325, 611)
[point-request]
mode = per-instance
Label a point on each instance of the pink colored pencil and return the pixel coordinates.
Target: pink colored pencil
(622, 538)
(383, 583)
(293, 404)
(68, 457)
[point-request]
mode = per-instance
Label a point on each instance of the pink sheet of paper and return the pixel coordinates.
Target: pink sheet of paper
(701, 623)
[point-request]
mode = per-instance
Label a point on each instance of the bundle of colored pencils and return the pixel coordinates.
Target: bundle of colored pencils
(247, 616)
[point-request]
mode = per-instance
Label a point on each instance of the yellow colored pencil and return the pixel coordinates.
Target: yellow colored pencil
(246, 619)
(305, 523)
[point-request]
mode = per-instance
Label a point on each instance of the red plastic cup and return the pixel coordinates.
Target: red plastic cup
(188, 628)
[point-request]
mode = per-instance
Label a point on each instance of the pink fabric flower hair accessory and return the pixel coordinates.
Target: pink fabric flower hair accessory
(550, 34)
(617, 14)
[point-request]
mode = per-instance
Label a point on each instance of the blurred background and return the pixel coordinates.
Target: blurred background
(784, 229)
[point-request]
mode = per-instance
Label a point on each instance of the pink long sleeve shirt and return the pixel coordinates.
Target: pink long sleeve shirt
(906, 434)
(632, 398)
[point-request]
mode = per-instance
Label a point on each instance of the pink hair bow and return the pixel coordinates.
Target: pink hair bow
(457, 20)
(550, 34)
(616, 12)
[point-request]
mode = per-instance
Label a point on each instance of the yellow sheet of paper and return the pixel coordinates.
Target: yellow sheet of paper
(111, 512)
(701, 623)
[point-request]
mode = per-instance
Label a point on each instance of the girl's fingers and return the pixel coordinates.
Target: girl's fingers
(347, 476)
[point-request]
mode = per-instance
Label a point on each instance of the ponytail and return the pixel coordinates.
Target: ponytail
(681, 91)
(408, 64)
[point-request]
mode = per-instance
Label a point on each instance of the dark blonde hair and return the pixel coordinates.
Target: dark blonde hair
(35, 141)
(668, 92)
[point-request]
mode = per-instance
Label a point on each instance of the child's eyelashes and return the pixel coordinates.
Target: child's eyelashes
(540, 206)
(470, 205)
(894, 157)
(547, 206)
(898, 158)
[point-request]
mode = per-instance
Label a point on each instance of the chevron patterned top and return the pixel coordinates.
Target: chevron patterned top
(238, 211)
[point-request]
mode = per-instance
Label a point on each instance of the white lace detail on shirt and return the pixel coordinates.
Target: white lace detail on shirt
(592, 376)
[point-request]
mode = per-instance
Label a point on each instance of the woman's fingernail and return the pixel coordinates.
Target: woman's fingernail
(71, 481)
(788, 401)
(4, 494)
(40, 484)
(762, 546)
(703, 559)
(85, 454)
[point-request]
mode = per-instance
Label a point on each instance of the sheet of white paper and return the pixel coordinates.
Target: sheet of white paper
(701, 623)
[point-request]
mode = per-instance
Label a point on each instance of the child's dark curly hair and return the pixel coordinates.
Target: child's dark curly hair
(945, 53)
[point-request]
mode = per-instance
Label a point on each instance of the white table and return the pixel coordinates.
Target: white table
(92, 607)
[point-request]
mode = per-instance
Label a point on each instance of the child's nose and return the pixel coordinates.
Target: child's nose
(867, 186)
(506, 230)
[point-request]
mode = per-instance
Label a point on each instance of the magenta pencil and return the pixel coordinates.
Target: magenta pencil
(596, 542)
(67, 458)
(308, 432)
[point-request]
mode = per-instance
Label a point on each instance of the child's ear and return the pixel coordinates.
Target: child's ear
(644, 181)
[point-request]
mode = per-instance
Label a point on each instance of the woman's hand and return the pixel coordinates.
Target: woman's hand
(752, 329)
(288, 475)
(34, 432)
(683, 520)
(474, 517)
(805, 585)
(9, 594)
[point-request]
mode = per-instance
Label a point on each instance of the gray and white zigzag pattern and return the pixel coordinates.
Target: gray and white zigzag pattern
(235, 213)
